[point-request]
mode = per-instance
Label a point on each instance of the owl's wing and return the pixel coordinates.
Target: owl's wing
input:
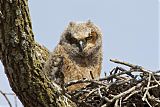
(55, 69)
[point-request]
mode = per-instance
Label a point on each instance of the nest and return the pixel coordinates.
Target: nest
(129, 87)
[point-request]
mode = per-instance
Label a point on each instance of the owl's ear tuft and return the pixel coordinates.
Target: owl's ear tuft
(72, 23)
(89, 22)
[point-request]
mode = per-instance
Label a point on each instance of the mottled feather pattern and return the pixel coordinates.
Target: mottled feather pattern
(78, 53)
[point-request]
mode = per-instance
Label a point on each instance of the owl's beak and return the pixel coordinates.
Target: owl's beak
(81, 45)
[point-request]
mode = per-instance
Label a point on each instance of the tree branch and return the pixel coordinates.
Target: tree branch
(9, 103)
(23, 58)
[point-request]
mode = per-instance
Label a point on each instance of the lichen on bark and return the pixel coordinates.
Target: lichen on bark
(23, 58)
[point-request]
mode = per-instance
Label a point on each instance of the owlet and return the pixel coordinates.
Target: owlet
(77, 55)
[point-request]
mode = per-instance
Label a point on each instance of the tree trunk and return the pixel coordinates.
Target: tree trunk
(23, 58)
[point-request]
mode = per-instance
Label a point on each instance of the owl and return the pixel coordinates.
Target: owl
(77, 55)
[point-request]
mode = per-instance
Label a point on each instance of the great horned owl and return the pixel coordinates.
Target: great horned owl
(78, 53)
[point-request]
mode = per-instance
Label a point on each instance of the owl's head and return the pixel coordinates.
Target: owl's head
(81, 39)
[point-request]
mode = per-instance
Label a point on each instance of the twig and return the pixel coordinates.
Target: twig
(127, 92)
(77, 82)
(116, 103)
(99, 91)
(155, 80)
(131, 86)
(91, 75)
(114, 75)
(148, 103)
(120, 102)
(134, 92)
(82, 81)
(123, 63)
(136, 67)
(149, 81)
(154, 86)
(1, 15)
(9, 103)
(153, 98)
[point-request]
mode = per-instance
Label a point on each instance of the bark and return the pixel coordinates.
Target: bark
(23, 58)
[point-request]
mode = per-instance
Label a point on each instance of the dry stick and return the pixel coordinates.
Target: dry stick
(122, 62)
(105, 105)
(120, 102)
(134, 92)
(76, 101)
(122, 94)
(155, 79)
(1, 15)
(114, 69)
(114, 75)
(78, 81)
(126, 92)
(99, 91)
(122, 82)
(9, 103)
(91, 75)
(148, 103)
(84, 104)
(105, 74)
(149, 81)
(82, 81)
(153, 98)
(107, 86)
(67, 95)
(134, 105)
(154, 86)
(95, 81)
(90, 93)
(101, 102)
(131, 91)
(130, 65)
(116, 103)
(118, 68)
(94, 90)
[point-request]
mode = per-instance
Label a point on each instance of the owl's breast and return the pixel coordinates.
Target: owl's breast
(75, 68)
(74, 71)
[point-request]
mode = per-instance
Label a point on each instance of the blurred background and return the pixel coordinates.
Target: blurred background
(130, 31)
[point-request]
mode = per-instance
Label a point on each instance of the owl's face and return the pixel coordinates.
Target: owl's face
(81, 39)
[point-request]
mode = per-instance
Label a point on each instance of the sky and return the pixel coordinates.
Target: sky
(130, 29)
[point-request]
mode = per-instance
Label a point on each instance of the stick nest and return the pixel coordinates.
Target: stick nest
(129, 87)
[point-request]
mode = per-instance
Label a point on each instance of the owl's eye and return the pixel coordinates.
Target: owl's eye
(71, 39)
(94, 34)
(92, 37)
(89, 38)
